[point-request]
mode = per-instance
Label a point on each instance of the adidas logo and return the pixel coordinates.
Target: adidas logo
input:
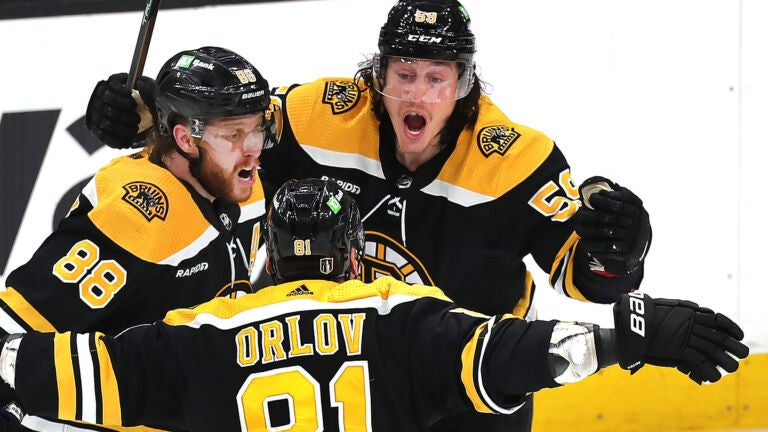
(301, 290)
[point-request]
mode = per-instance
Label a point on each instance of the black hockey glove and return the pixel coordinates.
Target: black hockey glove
(614, 227)
(702, 344)
(116, 117)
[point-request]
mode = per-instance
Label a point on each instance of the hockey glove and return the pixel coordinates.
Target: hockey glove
(614, 227)
(676, 333)
(118, 116)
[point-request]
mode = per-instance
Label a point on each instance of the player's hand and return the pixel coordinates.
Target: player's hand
(614, 227)
(702, 344)
(118, 116)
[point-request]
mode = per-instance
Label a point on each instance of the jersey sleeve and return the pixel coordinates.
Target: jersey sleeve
(461, 360)
(74, 279)
(554, 244)
(123, 381)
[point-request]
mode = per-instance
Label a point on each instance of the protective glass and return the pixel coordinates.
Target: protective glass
(228, 138)
(422, 80)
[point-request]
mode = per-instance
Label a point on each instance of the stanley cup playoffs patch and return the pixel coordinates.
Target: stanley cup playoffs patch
(342, 96)
(147, 198)
(496, 139)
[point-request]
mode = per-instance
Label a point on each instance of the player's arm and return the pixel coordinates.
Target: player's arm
(700, 343)
(496, 361)
(75, 279)
(130, 380)
(590, 254)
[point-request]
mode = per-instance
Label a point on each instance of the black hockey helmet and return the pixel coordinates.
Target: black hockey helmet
(209, 82)
(428, 29)
(435, 31)
(311, 228)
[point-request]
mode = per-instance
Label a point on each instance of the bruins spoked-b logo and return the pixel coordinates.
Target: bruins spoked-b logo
(342, 96)
(149, 199)
(496, 139)
(384, 256)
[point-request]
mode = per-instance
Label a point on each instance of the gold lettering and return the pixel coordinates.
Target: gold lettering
(352, 329)
(247, 351)
(272, 341)
(326, 338)
(297, 348)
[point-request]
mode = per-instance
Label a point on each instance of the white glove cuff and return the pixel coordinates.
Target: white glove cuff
(8, 359)
(574, 343)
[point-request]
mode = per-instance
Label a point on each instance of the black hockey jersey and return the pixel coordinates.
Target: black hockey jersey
(137, 243)
(464, 220)
(305, 356)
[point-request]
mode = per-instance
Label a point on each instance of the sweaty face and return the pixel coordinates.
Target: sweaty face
(231, 149)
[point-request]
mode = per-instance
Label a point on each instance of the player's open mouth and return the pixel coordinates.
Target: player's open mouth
(246, 174)
(414, 123)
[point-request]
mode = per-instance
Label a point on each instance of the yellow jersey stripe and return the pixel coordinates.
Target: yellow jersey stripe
(565, 261)
(26, 311)
(109, 391)
(65, 375)
(523, 307)
(468, 358)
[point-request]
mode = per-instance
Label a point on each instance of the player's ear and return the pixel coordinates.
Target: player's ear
(184, 139)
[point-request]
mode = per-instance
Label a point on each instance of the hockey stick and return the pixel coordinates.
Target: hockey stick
(142, 42)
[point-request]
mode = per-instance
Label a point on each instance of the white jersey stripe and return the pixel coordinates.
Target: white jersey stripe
(344, 160)
(478, 371)
(193, 249)
(89, 191)
(87, 385)
(9, 324)
(252, 211)
(267, 312)
(456, 194)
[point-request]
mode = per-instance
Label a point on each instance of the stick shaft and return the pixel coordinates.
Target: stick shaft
(142, 42)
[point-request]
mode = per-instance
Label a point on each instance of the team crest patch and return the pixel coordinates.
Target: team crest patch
(149, 199)
(342, 96)
(496, 139)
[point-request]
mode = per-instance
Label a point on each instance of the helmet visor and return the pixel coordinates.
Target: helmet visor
(422, 80)
(233, 136)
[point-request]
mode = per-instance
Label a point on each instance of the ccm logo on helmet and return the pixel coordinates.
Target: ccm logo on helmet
(423, 38)
(636, 320)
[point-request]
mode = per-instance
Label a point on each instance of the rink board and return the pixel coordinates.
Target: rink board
(657, 399)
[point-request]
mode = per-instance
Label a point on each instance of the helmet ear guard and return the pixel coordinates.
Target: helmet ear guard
(312, 228)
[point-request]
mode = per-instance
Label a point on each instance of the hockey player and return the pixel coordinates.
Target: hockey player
(453, 192)
(317, 353)
(162, 228)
